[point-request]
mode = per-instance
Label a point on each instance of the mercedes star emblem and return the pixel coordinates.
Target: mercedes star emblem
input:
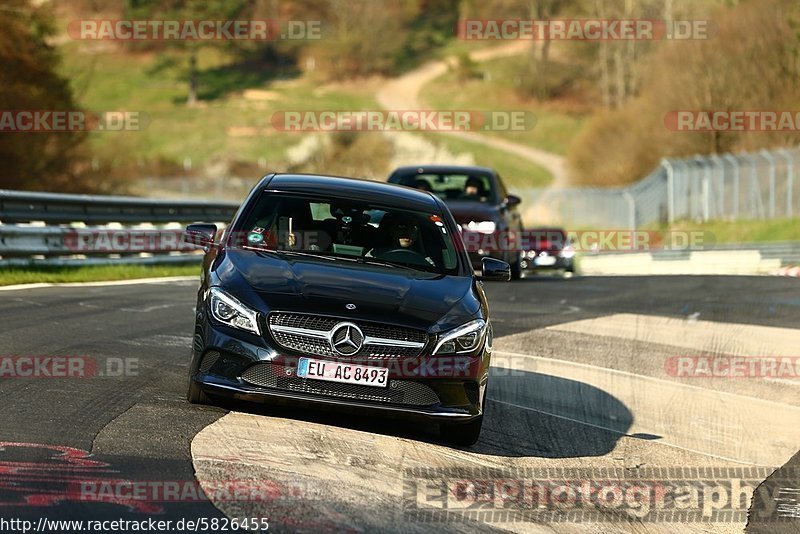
(347, 339)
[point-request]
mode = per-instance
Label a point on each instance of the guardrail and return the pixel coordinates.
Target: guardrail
(51, 208)
(60, 229)
(726, 258)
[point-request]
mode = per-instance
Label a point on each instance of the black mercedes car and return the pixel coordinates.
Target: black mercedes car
(481, 204)
(345, 292)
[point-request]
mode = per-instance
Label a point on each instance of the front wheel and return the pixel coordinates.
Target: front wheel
(463, 434)
(195, 395)
(516, 269)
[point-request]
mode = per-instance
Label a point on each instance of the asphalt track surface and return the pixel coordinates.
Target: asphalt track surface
(580, 386)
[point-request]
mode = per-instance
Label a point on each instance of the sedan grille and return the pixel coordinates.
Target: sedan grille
(405, 392)
(329, 336)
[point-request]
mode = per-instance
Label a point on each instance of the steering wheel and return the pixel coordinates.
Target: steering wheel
(404, 255)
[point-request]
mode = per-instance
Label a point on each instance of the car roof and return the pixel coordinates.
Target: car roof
(444, 169)
(351, 188)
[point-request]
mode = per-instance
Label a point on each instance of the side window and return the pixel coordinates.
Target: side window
(320, 211)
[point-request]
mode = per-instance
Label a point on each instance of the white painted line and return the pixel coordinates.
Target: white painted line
(161, 280)
(718, 338)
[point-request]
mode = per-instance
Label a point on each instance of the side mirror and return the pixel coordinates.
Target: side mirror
(493, 270)
(512, 200)
(201, 235)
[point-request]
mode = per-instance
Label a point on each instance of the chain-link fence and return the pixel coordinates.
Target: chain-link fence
(759, 185)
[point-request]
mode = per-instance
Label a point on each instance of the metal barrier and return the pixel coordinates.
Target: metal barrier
(52, 229)
(745, 186)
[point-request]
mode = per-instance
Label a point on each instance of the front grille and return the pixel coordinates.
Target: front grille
(268, 375)
(299, 320)
(315, 343)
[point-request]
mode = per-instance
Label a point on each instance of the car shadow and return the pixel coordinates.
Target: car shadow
(535, 414)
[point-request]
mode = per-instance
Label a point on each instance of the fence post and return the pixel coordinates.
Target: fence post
(756, 206)
(767, 156)
(721, 203)
(789, 181)
(670, 190)
(631, 209)
(735, 164)
(705, 186)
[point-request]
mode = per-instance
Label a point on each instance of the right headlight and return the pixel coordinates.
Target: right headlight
(228, 310)
(482, 227)
(463, 339)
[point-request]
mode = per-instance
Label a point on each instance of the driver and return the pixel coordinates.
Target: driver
(473, 190)
(403, 236)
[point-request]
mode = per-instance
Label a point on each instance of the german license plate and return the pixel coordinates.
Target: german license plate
(544, 260)
(345, 373)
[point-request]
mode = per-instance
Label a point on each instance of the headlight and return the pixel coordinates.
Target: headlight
(567, 252)
(483, 227)
(229, 311)
(462, 339)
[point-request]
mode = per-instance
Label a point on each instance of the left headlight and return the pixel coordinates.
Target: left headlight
(482, 227)
(567, 252)
(463, 339)
(228, 310)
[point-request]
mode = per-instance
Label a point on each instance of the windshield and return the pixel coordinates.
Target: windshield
(350, 230)
(465, 187)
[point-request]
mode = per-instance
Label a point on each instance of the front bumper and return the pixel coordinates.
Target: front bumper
(243, 366)
(541, 261)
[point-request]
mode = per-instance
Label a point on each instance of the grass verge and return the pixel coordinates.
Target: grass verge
(745, 231)
(99, 273)
(232, 121)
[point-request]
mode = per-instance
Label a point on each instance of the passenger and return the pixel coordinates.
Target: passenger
(473, 190)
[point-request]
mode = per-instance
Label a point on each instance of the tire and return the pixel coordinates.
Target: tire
(516, 270)
(195, 395)
(465, 434)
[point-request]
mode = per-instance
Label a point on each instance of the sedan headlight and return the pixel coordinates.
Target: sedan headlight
(228, 310)
(567, 252)
(462, 339)
(483, 227)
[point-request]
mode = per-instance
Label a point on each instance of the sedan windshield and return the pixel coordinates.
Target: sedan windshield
(350, 230)
(466, 187)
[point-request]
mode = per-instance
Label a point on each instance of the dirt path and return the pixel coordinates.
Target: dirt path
(403, 93)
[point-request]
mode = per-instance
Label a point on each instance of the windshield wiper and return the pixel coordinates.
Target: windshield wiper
(279, 252)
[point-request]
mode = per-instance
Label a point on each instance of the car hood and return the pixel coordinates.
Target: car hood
(465, 211)
(317, 285)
